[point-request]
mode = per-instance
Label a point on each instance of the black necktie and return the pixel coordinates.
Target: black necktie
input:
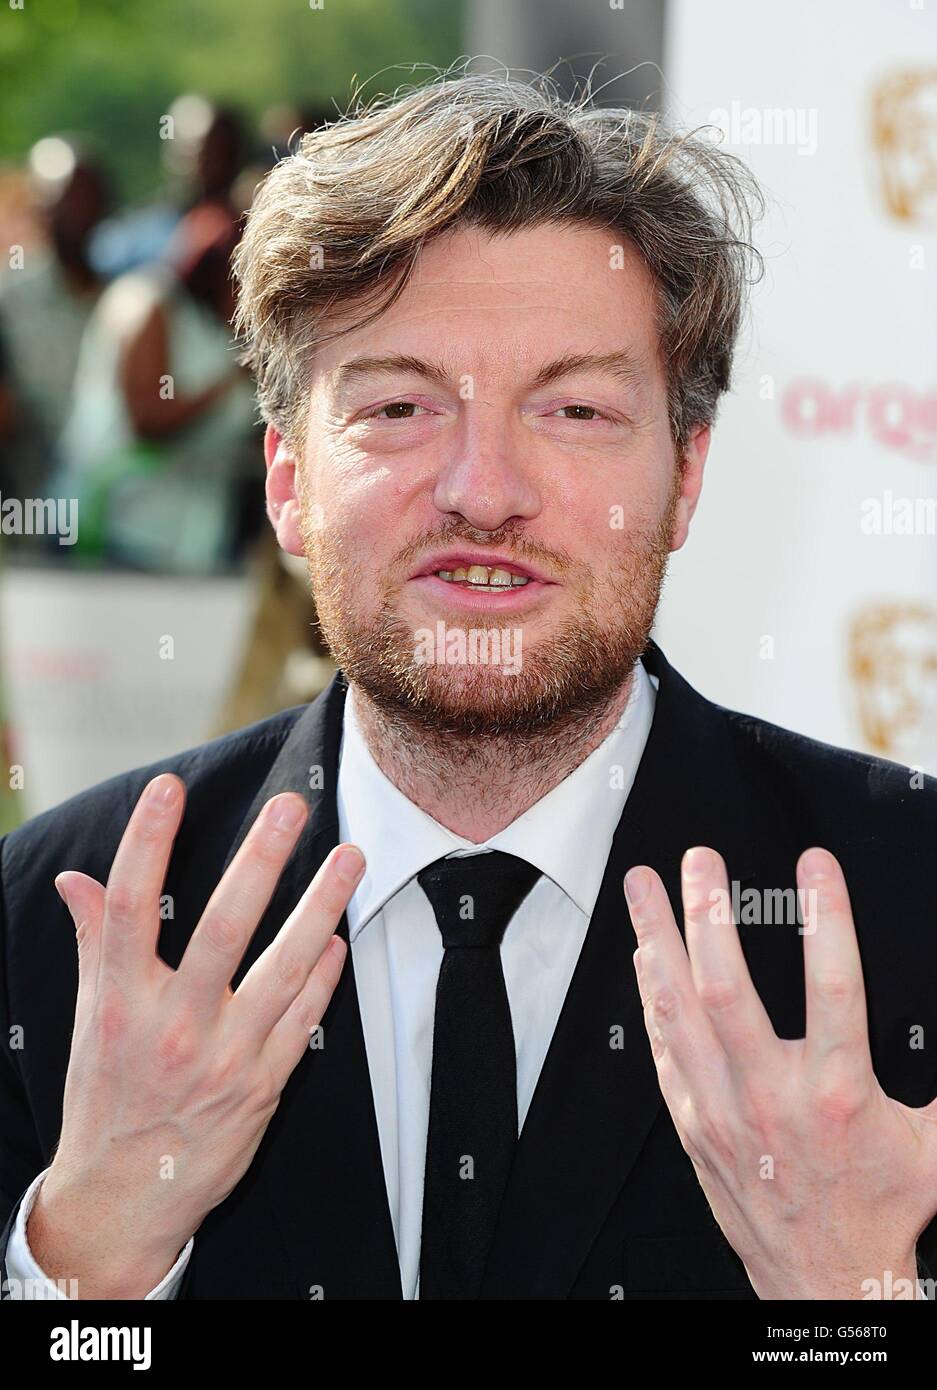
(473, 1093)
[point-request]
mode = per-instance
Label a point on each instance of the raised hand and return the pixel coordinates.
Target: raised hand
(819, 1181)
(173, 1078)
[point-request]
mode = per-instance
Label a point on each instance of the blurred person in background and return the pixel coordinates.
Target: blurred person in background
(10, 799)
(20, 224)
(204, 147)
(47, 296)
(160, 434)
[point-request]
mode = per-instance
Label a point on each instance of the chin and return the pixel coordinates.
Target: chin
(480, 702)
(532, 686)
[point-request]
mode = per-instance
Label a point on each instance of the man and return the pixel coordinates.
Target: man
(490, 330)
(46, 300)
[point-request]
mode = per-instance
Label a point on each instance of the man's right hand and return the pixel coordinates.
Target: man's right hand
(173, 1078)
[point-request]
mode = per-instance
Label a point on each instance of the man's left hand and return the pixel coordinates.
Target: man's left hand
(819, 1180)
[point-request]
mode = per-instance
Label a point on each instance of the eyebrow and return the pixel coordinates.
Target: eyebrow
(622, 364)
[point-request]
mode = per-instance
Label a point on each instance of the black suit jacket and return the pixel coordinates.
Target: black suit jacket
(603, 1202)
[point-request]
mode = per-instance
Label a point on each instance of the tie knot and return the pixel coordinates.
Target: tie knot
(475, 896)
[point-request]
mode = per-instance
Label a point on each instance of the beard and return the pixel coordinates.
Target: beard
(564, 679)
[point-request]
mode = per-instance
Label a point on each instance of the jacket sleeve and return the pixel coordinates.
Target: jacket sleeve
(927, 1260)
(21, 1157)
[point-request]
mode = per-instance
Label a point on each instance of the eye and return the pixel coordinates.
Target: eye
(395, 406)
(591, 413)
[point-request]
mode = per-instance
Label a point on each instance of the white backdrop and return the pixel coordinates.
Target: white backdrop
(807, 593)
(106, 672)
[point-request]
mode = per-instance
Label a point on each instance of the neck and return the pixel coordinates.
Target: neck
(475, 787)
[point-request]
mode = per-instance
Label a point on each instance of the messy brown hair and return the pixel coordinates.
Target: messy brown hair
(342, 219)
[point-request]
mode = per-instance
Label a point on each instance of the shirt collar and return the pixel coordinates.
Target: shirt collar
(567, 834)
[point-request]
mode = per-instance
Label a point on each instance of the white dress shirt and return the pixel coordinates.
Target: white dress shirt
(396, 949)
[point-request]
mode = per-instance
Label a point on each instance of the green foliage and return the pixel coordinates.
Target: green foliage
(110, 68)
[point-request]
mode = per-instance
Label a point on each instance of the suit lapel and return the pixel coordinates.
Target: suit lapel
(320, 1158)
(598, 1094)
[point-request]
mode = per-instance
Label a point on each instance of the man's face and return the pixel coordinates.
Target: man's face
(474, 434)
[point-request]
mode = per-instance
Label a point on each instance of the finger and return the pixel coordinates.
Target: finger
(837, 1017)
(677, 1026)
(278, 976)
(720, 975)
(291, 1035)
(131, 904)
(84, 898)
(239, 902)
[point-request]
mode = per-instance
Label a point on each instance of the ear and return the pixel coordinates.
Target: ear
(282, 502)
(691, 483)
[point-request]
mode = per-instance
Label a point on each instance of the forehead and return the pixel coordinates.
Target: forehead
(525, 294)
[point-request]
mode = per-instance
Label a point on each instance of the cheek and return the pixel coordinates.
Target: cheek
(388, 503)
(630, 484)
(611, 513)
(352, 495)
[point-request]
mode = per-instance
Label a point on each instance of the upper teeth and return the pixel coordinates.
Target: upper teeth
(486, 576)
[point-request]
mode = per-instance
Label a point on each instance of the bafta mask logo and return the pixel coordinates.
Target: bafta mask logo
(893, 675)
(904, 141)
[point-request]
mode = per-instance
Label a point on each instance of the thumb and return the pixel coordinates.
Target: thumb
(84, 898)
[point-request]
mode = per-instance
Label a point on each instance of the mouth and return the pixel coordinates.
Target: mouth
(493, 574)
(484, 578)
(472, 584)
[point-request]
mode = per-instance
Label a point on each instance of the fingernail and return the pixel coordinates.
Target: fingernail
(58, 889)
(287, 813)
(337, 947)
(349, 864)
(637, 886)
(163, 791)
(815, 864)
(697, 862)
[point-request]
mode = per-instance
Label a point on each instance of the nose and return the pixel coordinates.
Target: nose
(486, 480)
